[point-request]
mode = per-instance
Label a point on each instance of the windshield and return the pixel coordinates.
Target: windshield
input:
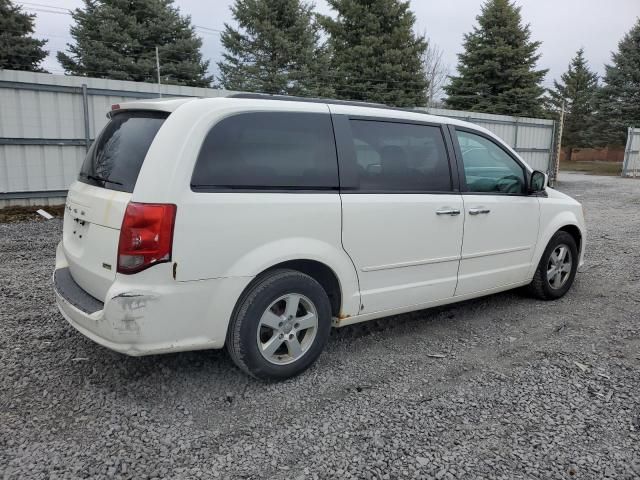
(115, 157)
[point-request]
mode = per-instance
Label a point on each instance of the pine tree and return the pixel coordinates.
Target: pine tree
(275, 49)
(18, 49)
(117, 38)
(375, 54)
(578, 89)
(497, 70)
(619, 102)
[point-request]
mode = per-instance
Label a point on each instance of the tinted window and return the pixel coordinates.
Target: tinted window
(487, 167)
(400, 157)
(115, 158)
(269, 150)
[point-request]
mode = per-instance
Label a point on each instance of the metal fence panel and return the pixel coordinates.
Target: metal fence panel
(48, 121)
(43, 134)
(631, 164)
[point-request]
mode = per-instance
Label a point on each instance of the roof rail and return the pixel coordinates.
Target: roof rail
(291, 98)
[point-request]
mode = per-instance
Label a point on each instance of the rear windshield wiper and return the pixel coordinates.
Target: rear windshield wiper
(101, 179)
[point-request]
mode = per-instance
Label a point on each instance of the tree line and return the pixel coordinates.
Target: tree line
(368, 50)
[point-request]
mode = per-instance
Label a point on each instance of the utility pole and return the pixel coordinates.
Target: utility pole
(556, 167)
(158, 69)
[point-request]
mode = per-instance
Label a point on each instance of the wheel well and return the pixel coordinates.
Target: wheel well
(575, 233)
(321, 274)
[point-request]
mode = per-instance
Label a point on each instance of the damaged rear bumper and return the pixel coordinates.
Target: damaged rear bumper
(142, 317)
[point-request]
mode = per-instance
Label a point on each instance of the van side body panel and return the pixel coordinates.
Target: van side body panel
(557, 211)
(240, 234)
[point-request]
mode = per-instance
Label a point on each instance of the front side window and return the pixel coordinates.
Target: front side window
(394, 156)
(268, 150)
(487, 167)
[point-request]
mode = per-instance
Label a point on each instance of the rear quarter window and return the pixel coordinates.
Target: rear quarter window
(116, 156)
(270, 151)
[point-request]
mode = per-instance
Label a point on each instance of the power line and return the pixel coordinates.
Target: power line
(212, 30)
(45, 5)
(37, 7)
(42, 10)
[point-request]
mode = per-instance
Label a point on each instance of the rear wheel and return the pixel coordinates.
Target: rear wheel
(557, 268)
(280, 325)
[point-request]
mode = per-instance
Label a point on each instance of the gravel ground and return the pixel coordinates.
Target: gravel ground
(508, 400)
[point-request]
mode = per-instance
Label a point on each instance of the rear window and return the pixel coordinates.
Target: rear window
(268, 151)
(115, 158)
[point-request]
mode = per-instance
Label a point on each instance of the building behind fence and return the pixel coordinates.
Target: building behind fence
(47, 123)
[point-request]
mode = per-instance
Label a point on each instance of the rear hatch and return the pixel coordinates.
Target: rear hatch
(96, 203)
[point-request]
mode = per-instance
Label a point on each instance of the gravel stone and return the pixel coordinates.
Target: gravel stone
(506, 402)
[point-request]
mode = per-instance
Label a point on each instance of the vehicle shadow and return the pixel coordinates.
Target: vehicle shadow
(216, 364)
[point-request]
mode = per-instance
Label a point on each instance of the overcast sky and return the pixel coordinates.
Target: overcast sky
(563, 26)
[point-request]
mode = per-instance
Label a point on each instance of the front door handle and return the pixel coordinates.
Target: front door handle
(448, 211)
(478, 211)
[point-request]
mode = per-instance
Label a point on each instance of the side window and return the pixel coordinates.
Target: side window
(268, 150)
(487, 167)
(400, 157)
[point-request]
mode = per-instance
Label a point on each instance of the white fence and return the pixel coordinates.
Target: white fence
(631, 165)
(47, 123)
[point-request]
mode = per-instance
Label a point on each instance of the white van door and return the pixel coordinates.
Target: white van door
(402, 220)
(501, 220)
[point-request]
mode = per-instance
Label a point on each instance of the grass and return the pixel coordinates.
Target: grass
(592, 168)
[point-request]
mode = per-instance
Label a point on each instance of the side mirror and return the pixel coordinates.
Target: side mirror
(538, 182)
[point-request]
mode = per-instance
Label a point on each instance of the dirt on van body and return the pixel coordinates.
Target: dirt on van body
(499, 387)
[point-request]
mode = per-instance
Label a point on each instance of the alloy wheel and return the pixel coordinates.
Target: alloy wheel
(287, 329)
(559, 266)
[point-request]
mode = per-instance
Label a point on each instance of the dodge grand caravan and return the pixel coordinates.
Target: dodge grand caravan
(259, 223)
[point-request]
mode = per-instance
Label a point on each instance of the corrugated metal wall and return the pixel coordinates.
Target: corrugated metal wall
(44, 132)
(631, 165)
(43, 135)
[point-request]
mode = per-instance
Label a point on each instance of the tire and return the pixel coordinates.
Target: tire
(264, 318)
(546, 288)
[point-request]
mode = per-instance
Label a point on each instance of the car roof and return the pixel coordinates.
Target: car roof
(252, 101)
(336, 106)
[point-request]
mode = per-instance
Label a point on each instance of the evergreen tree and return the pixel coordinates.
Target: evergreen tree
(578, 89)
(619, 105)
(497, 70)
(275, 49)
(117, 38)
(18, 49)
(375, 54)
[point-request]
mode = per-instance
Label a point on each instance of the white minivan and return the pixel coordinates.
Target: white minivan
(258, 223)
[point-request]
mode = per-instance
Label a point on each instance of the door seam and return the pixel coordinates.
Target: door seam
(464, 222)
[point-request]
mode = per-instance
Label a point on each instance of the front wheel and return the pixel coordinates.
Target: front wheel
(280, 325)
(557, 268)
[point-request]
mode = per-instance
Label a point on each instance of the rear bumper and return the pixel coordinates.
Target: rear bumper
(141, 316)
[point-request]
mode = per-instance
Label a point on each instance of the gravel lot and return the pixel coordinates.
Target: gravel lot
(506, 401)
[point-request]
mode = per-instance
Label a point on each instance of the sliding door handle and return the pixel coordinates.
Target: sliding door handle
(478, 211)
(448, 211)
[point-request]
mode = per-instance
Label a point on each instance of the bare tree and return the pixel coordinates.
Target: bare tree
(436, 72)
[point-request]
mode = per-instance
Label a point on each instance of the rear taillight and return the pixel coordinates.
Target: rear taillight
(146, 236)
